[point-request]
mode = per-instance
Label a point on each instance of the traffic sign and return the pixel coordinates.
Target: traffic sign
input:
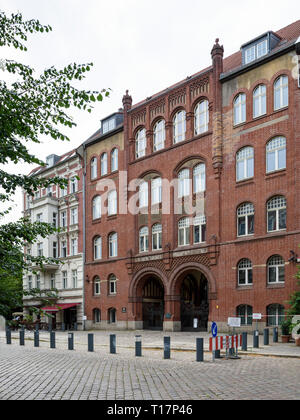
(214, 329)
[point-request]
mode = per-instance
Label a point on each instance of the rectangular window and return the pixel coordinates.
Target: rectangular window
(73, 184)
(64, 279)
(74, 279)
(52, 281)
(63, 219)
(54, 219)
(74, 246)
(40, 249)
(112, 202)
(74, 216)
(39, 217)
(29, 282)
(64, 249)
(38, 281)
(54, 250)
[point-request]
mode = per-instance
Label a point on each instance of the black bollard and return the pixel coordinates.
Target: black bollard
(167, 347)
(275, 335)
(90, 342)
(138, 345)
(8, 335)
(255, 339)
(244, 341)
(63, 326)
(70, 341)
(266, 336)
(36, 338)
(22, 337)
(52, 340)
(112, 338)
(199, 350)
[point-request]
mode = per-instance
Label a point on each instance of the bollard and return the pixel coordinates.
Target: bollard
(217, 354)
(199, 350)
(63, 326)
(138, 345)
(36, 327)
(167, 347)
(244, 341)
(275, 335)
(70, 341)
(90, 342)
(75, 326)
(36, 338)
(255, 339)
(266, 336)
(22, 337)
(112, 346)
(52, 340)
(8, 336)
(50, 326)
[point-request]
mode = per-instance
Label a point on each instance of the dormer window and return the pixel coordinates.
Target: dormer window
(256, 51)
(108, 125)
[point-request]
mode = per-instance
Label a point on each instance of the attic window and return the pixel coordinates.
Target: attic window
(108, 125)
(50, 161)
(256, 51)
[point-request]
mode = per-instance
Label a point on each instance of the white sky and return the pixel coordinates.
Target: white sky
(143, 46)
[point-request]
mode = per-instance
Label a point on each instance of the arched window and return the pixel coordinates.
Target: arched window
(112, 285)
(245, 272)
(259, 101)
(104, 164)
(245, 219)
(199, 223)
(199, 178)
(239, 108)
(276, 213)
(96, 207)
(140, 143)
(113, 244)
(112, 316)
(245, 312)
(276, 269)
(143, 194)
(98, 248)
(156, 237)
(144, 239)
(201, 117)
(179, 126)
(245, 163)
(94, 168)
(276, 154)
(159, 135)
(97, 289)
(112, 203)
(184, 231)
(183, 183)
(281, 92)
(96, 315)
(275, 314)
(114, 160)
(156, 190)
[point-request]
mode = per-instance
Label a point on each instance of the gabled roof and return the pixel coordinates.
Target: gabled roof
(38, 170)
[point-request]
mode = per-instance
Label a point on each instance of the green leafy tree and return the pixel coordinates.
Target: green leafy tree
(31, 106)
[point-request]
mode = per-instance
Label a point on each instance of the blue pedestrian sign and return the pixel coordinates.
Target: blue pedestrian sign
(214, 329)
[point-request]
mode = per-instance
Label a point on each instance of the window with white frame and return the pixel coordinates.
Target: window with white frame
(52, 281)
(74, 246)
(96, 207)
(239, 109)
(245, 272)
(276, 154)
(199, 178)
(112, 284)
(179, 126)
(94, 168)
(29, 282)
(276, 213)
(140, 143)
(73, 184)
(245, 312)
(256, 51)
(112, 202)
(97, 289)
(98, 248)
(63, 191)
(281, 92)
(245, 219)
(259, 101)
(201, 117)
(245, 163)
(144, 239)
(276, 269)
(64, 275)
(74, 279)
(40, 249)
(143, 194)
(199, 224)
(39, 217)
(103, 164)
(183, 183)
(74, 216)
(38, 281)
(156, 190)
(54, 219)
(184, 231)
(54, 249)
(113, 244)
(63, 249)
(114, 160)
(275, 314)
(159, 135)
(63, 219)
(156, 237)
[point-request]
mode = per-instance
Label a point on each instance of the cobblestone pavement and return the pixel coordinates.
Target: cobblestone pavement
(31, 373)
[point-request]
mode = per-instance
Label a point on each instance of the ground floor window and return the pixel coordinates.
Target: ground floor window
(275, 314)
(245, 313)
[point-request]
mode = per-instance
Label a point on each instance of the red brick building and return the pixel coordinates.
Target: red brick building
(212, 228)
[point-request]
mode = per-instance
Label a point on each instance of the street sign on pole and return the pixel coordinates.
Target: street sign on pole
(214, 329)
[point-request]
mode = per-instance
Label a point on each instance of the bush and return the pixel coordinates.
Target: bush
(285, 326)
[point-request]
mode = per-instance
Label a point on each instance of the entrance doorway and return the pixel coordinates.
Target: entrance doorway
(70, 317)
(194, 308)
(153, 304)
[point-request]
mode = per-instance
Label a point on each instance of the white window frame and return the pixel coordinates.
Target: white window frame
(184, 231)
(277, 262)
(63, 249)
(179, 126)
(159, 135)
(144, 239)
(64, 276)
(274, 146)
(97, 286)
(245, 210)
(183, 182)
(280, 85)
(112, 285)
(260, 98)
(157, 237)
(140, 143)
(199, 221)
(97, 242)
(114, 160)
(143, 194)
(74, 246)
(245, 265)
(276, 204)
(96, 207)
(73, 185)
(239, 109)
(201, 119)
(74, 215)
(112, 203)
(94, 168)
(245, 155)
(74, 279)
(156, 191)
(113, 245)
(103, 164)
(199, 178)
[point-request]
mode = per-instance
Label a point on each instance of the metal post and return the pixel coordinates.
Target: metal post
(244, 341)
(255, 339)
(75, 326)
(22, 337)
(70, 341)
(199, 350)
(8, 335)
(90, 342)
(112, 338)
(52, 340)
(275, 335)
(36, 338)
(167, 347)
(138, 345)
(266, 336)
(63, 326)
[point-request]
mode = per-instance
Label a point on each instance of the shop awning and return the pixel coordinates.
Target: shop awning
(59, 307)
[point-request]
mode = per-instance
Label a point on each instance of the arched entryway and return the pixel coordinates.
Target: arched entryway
(153, 304)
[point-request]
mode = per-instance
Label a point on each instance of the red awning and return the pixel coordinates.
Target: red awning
(59, 307)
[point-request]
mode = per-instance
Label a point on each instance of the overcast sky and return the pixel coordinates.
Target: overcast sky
(143, 46)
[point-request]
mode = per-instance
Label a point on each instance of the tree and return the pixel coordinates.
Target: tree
(31, 107)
